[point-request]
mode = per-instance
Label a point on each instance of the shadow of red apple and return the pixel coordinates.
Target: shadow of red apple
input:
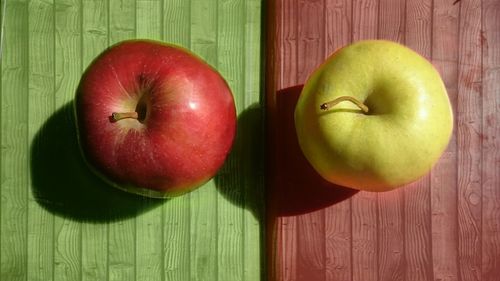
(294, 187)
(64, 185)
(241, 179)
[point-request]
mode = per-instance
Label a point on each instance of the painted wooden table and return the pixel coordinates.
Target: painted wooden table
(446, 226)
(57, 220)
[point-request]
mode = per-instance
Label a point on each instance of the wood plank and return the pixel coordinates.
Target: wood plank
(287, 231)
(310, 53)
(364, 204)
(311, 37)
(177, 234)
(311, 246)
(251, 126)
(281, 230)
(176, 239)
(149, 234)
(94, 236)
(41, 104)
(417, 213)
(392, 20)
(390, 205)
(338, 235)
(122, 243)
(230, 63)
(68, 67)
(490, 214)
(469, 147)
(203, 209)
(121, 251)
(177, 16)
(288, 31)
(149, 19)
(444, 175)
(14, 133)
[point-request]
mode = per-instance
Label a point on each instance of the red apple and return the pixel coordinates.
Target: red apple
(153, 118)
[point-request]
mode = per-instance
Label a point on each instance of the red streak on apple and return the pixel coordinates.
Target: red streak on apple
(183, 123)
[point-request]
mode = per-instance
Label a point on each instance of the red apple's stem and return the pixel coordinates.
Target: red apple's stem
(330, 104)
(122, 115)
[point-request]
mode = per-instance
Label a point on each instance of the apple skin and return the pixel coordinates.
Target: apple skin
(407, 127)
(185, 125)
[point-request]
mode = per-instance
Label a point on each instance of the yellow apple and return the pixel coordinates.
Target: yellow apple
(374, 116)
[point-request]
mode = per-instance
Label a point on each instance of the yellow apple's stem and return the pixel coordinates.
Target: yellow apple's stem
(122, 115)
(330, 104)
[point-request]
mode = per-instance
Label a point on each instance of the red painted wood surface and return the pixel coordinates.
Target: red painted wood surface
(446, 226)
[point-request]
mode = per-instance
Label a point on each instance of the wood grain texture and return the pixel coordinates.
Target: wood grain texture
(14, 139)
(442, 227)
(71, 225)
(444, 219)
(123, 238)
(41, 104)
(230, 25)
(364, 216)
(282, 230)
(338, 238)
(68, 67)
(390, 205)
(252, 133)
(417, 211)
(204, 206)
(490, 214)
(469, 140)
(310, 227)
(177, 219)
(95, 238)
(149, 233)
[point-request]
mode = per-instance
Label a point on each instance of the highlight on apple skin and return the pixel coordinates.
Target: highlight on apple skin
(153, 118)
(374, 116)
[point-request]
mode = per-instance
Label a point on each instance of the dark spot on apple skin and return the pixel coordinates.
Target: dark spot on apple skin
(64, 185)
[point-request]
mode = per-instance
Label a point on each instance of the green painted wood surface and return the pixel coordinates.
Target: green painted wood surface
(57, 220)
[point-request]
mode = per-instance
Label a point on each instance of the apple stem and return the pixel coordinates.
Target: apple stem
(328, 105)
(122, 115)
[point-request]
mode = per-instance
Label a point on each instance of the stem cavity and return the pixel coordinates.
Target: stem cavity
(332, 103)
(116, 116)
